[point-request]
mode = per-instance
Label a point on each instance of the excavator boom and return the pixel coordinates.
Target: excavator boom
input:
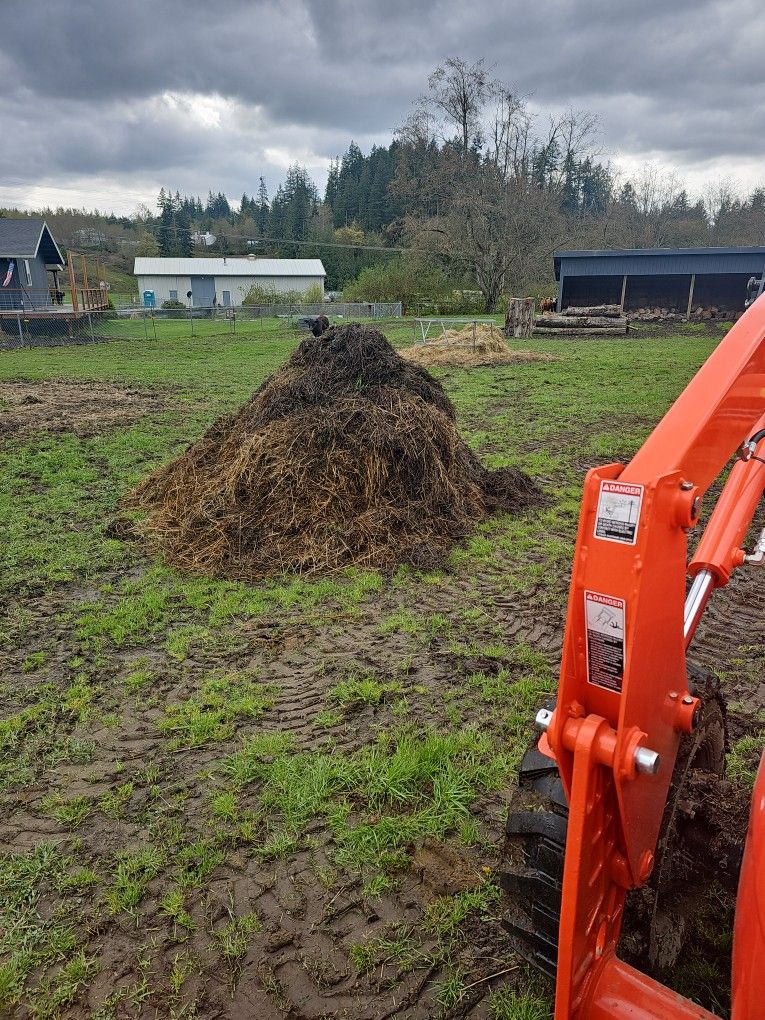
(623, 698)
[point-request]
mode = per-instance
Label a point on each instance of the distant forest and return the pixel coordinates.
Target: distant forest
(473, 195)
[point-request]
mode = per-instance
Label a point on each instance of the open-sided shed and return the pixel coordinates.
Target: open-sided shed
(676, 279)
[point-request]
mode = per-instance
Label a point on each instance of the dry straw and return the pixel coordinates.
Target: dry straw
(471, 347)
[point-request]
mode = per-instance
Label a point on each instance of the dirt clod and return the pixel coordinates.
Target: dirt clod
(443, 870)
(347, 456)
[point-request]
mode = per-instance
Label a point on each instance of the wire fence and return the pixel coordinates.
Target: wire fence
(21, 328)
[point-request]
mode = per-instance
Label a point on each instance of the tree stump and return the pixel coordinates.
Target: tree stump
(519, 320)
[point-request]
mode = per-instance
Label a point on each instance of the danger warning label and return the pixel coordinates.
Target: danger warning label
(604, 619)
(618, 512)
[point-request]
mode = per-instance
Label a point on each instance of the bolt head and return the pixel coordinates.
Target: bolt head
(543, 719)
(647, 761)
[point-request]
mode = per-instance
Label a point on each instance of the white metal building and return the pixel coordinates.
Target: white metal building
(223, 281)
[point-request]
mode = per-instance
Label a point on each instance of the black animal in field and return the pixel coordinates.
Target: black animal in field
(316, 324)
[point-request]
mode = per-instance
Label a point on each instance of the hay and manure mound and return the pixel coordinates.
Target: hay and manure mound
(346, 456)
(471, 347)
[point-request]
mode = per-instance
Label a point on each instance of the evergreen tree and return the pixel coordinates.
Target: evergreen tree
(262, 207)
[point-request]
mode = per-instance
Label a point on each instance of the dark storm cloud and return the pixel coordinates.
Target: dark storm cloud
(206, 92)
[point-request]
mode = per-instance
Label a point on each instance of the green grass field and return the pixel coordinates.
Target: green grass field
(219, 798)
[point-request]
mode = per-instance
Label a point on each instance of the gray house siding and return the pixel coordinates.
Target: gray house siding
(237, 287)
(20, 293)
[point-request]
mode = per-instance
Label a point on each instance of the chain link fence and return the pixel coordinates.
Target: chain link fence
(53, 329)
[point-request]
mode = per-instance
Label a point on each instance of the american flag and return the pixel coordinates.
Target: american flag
(9, 274)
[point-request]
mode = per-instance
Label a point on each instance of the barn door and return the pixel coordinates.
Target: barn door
(202, 291)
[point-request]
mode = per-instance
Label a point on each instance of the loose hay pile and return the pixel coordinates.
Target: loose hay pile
(466, 348)
(348, 455)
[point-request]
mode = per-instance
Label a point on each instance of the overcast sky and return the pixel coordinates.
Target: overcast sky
(104, 101)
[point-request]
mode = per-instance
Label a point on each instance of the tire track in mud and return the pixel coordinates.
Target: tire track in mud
(730, 641)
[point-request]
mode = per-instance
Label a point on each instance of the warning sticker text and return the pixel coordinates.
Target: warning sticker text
(618, 512)
(604, 619)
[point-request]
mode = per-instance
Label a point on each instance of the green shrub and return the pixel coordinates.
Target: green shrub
(314, 295)
(173, 303)
(404, 278)
(258, 295)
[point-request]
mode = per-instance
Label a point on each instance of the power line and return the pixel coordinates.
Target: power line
(157, 227)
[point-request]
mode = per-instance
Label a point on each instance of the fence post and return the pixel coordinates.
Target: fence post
(145, 327)
(154, 324)
(18, 323)
(90, 327)
(191, 319)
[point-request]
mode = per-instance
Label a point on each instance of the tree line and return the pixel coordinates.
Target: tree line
(473, 194)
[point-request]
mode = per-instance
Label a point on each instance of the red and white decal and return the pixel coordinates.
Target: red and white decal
(604, 621)
(618, 515)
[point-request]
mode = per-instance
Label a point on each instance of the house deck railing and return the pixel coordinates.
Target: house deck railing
(30, 299)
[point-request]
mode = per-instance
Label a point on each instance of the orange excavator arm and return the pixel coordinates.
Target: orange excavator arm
(623, 699)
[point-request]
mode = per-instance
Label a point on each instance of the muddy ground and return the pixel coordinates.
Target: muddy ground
(82, 408)
(430, 953)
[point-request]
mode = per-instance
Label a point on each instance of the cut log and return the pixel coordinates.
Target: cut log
(577, 321)
(612, 311)
(575, 333)
(520, 318)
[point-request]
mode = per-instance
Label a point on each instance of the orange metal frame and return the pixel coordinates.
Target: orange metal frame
(627, 689)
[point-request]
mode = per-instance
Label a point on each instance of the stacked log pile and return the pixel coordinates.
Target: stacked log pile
(597, 320)
(698, 312)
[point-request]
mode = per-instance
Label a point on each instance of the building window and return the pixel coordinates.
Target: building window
(173, 295)
(28, 271)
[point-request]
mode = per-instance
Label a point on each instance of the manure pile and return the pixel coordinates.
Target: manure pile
(466, 348)
(346, 456)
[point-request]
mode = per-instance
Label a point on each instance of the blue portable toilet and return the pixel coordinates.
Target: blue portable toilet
(149, 299)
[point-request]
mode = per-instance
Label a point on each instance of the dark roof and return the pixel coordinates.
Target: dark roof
(658, 251)
(23, 238)
(660, 260)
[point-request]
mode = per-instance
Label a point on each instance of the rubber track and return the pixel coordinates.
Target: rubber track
(536, 844)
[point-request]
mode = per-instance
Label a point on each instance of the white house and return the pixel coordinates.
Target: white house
(224, 281)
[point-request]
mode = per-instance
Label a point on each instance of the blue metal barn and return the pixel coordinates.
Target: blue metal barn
(675, 279)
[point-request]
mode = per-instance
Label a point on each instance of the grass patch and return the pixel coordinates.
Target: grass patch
(133, 871)
(744, 758)
(234, 937)
(509, 1004)
(445, 915)
(406, 786)
(69, 811)
(40, 955)
(367, 689)
(211, 713)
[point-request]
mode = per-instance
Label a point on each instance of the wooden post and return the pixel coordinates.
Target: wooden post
(519, 320)
(85, 284)
(690, 297)
(624, 293)
(72, 281)
(104, 294)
